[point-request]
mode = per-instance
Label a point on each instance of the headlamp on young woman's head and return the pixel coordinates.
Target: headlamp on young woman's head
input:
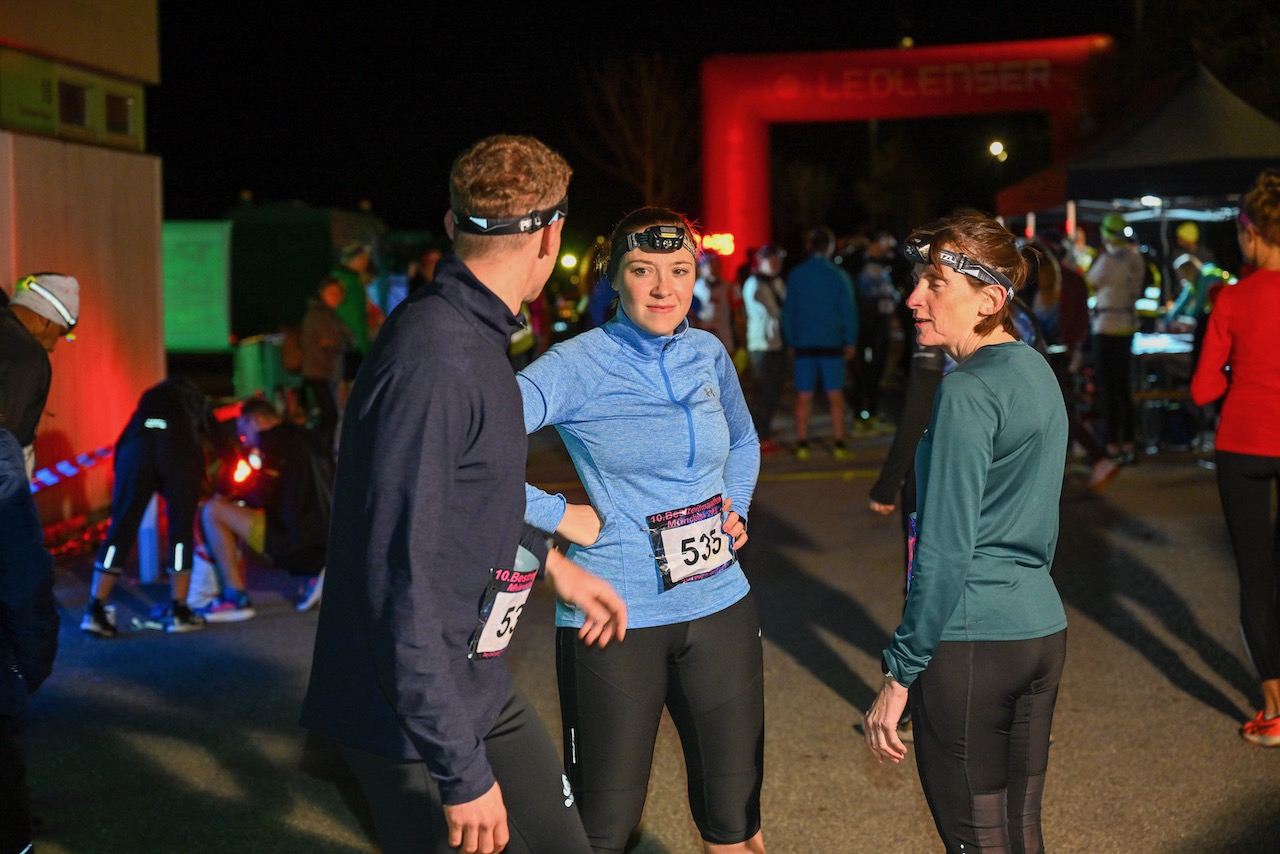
(660, 238)
(524, 224)
(656, 238)
(918, 251)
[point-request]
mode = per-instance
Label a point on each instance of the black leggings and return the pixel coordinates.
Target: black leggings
(144, 466)
(322, 394)
(982, 712)
(15, 799)
(768, 375)
(709, 674)
(1115, 396)
(1245, 483)
(406, 806)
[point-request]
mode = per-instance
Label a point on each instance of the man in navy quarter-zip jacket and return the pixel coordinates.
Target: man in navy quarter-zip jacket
(429, 559)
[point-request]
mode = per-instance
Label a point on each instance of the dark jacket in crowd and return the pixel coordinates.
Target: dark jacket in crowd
(429, 499)
(295, 491)
(25, 376)
(28, 615)
(325, 338)
(176, 412)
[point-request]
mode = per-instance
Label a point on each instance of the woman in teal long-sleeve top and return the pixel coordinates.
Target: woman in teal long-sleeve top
(982, 642)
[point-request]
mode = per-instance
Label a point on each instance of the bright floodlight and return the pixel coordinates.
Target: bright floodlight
(1151, 201)
(996, 148)
(568, 261)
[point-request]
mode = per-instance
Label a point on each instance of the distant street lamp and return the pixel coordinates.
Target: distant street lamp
(568, 260)
(999, 155)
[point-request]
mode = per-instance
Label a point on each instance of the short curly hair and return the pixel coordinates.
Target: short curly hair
(504, 176)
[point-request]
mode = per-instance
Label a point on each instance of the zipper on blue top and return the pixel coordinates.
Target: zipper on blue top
(671, 395)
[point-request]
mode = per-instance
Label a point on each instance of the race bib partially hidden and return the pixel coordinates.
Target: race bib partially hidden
(690, 543)
(502, 605)
(911, 549)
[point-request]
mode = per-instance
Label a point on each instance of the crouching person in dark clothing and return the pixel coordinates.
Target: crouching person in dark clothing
(28, 635)
(161, 449)
(285, 518)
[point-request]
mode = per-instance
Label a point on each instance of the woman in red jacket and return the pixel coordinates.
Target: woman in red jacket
(1240, 360)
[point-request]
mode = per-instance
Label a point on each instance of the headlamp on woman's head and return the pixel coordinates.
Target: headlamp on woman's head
(918, 251)
(524, 224)
(656, 238)
(660, 238)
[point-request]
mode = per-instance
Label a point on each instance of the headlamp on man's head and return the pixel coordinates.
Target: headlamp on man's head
(918, 251)
(63, 314)
(524, 224)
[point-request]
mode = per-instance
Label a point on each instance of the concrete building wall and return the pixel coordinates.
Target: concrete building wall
(93, 213)
(117, 36)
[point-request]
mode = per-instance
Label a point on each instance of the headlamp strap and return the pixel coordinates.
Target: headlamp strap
(919, 252)
(655, 238)
(526, 224)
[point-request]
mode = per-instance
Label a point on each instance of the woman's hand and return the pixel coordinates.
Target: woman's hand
(733, 526)
(880, 726)
(605, 612)
(581, 524)
(882, 509)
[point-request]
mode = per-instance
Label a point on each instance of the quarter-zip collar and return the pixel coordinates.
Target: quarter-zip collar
(481, 307)
(654, 348)
(645, 344)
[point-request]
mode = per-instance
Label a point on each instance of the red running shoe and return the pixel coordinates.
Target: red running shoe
(1262, 731)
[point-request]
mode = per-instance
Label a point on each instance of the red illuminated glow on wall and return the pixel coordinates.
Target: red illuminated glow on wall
(743, 95)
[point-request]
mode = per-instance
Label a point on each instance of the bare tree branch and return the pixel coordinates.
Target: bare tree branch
(644, 114)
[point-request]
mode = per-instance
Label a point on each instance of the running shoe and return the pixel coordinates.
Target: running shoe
(309, 595)
(99, 619)
(840, 452)
(182, 619)
(1262, 731)
(229, 608)
(1102, 473)
(802, 451)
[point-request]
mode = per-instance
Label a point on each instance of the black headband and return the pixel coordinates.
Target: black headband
(524, 224)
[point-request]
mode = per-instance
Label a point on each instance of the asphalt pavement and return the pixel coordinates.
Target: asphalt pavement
(190, 743)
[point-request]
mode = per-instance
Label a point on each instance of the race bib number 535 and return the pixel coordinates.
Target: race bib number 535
(689, 543)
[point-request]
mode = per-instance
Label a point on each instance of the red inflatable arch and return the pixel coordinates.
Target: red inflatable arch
(743, 95)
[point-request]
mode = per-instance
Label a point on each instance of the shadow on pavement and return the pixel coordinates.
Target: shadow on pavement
(1102, 579)
(795, 605)
(155, 742)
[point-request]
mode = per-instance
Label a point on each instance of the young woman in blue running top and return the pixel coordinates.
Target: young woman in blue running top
(983, 638)
(655, 421)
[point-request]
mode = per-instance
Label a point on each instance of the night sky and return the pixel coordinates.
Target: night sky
(375, 102)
